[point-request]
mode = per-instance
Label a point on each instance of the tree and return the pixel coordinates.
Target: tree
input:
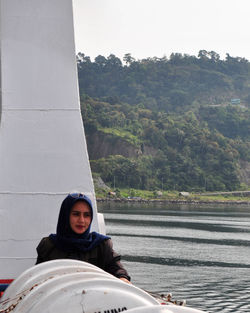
(128, 59)
(101, 61)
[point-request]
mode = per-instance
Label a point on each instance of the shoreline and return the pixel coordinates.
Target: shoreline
(175, 201)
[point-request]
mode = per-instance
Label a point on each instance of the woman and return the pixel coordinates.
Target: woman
(73, 239)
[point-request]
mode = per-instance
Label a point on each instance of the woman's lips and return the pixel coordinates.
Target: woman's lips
(80, 226)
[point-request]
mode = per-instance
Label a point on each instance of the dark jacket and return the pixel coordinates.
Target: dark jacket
(102, 256)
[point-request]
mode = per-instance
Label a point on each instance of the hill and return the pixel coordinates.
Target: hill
(176, 124)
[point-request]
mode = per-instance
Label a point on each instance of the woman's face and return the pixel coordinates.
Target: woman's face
(80, 217)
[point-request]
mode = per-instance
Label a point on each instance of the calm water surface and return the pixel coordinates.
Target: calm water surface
(199, 253)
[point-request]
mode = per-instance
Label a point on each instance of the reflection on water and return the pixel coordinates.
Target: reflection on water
(199, 253)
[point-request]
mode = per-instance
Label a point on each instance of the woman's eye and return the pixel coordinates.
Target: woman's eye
(85, 215)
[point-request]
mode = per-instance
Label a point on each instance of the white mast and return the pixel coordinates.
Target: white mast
(43, 153)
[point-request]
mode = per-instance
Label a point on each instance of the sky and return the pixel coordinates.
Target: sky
(148, 28)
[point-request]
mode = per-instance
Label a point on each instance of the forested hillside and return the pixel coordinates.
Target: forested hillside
(181, 123)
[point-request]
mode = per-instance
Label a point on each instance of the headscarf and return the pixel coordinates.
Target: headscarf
(65, 238)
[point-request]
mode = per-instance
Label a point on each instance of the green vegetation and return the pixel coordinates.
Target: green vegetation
(167, 124)
(122, 134)
(141, 195)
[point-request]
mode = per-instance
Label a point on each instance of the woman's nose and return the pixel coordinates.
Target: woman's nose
(81, 217)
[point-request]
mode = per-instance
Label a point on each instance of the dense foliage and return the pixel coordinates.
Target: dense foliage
(170, 120)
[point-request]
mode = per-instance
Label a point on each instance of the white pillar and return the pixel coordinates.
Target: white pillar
(43, 153)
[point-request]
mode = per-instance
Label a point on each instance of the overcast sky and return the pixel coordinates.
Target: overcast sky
(147, 28)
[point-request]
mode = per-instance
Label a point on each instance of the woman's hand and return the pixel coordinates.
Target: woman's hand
(125, 280)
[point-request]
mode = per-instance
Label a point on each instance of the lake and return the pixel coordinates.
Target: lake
(200, 253)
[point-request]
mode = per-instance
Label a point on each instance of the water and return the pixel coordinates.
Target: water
(199, 253)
